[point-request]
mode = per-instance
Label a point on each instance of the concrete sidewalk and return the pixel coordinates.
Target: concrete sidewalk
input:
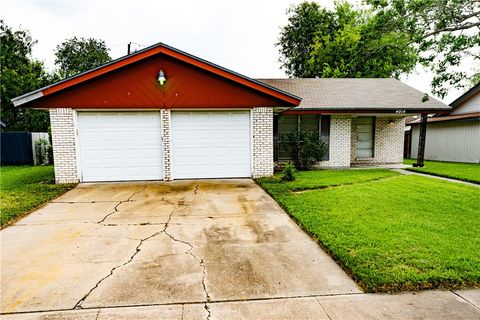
(435, 305)
(416, 173)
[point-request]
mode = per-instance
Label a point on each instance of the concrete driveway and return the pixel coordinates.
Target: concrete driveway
(140, 244)
(180, 250)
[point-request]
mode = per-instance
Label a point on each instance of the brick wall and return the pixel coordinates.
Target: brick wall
(62, 122)
(166, 145)
(389, 136)
(262, 144)
(340, 131)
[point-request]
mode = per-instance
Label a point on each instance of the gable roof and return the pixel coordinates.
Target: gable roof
(359, 94)
(465, 96)
(283, 97)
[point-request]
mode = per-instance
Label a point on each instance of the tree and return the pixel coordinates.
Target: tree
(475, 79)
(20, 74)
(342, 43)
(78, 55)
(297, 37)
(383, 38)
(446, 33)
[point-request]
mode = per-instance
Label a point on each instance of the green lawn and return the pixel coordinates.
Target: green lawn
(24, 188)
(455, 170)
(390, 232)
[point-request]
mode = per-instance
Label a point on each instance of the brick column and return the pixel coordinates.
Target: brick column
(389, 136)
(166, 150)
(340, 140)
(62, 123)
(262, 144)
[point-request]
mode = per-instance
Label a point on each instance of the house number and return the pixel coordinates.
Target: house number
(400, 111)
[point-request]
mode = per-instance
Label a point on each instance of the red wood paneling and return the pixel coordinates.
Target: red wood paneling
(134, 85)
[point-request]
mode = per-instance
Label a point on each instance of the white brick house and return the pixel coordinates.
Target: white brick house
(118, 122)
(361, 120)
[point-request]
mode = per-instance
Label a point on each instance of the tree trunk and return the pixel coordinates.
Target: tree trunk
(421, 141)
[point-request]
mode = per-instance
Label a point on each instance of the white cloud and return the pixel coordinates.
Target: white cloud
(239, 35)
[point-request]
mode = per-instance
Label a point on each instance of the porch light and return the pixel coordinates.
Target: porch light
(161, 77)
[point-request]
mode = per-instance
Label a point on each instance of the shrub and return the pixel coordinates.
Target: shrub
(43, 151)
(289, 172)
(306, 148)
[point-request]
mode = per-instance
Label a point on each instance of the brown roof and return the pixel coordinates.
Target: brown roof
(446, 118)
(356, 94)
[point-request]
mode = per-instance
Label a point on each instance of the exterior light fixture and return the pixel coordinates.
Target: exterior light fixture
(161, 78)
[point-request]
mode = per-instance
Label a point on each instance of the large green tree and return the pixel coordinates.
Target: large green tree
(446, 34)
(77, 55)
(383, 38)
(20, 73)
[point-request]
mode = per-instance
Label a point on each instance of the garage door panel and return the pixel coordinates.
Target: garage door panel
(120, 146)
(211, 144)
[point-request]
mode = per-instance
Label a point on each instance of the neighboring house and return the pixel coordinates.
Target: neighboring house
(161, 113)
(454, 136)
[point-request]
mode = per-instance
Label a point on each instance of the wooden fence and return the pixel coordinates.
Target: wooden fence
(19, 148)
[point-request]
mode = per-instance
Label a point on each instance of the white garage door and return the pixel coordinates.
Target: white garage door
(210, 144)
(120, 146)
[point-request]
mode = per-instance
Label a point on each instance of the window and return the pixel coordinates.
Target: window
(365, 137)
(284, 124)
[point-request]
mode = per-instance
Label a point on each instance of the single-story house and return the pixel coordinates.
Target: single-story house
(163, 114)
(454, 136)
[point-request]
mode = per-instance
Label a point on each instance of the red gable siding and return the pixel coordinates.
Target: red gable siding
(135, 86)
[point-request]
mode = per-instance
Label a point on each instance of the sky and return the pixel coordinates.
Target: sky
(237, 34)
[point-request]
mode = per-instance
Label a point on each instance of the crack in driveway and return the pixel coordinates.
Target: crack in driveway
(200, 261)
(137, 250)
(78, 305)
(115, 209)
(202, 266)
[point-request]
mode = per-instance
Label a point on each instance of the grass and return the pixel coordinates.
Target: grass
(461, 171)
(25, 188)
(390, 232)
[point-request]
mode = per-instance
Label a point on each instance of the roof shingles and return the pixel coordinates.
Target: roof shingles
(356, 94)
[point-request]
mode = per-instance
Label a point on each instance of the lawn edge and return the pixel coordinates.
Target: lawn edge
(395, 174)
(443, 175)
(300, 190)
(385, 288)
(43, 204)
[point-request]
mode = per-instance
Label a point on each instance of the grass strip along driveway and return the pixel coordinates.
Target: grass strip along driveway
(456, 170)
(390, 232)
(24, 188)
